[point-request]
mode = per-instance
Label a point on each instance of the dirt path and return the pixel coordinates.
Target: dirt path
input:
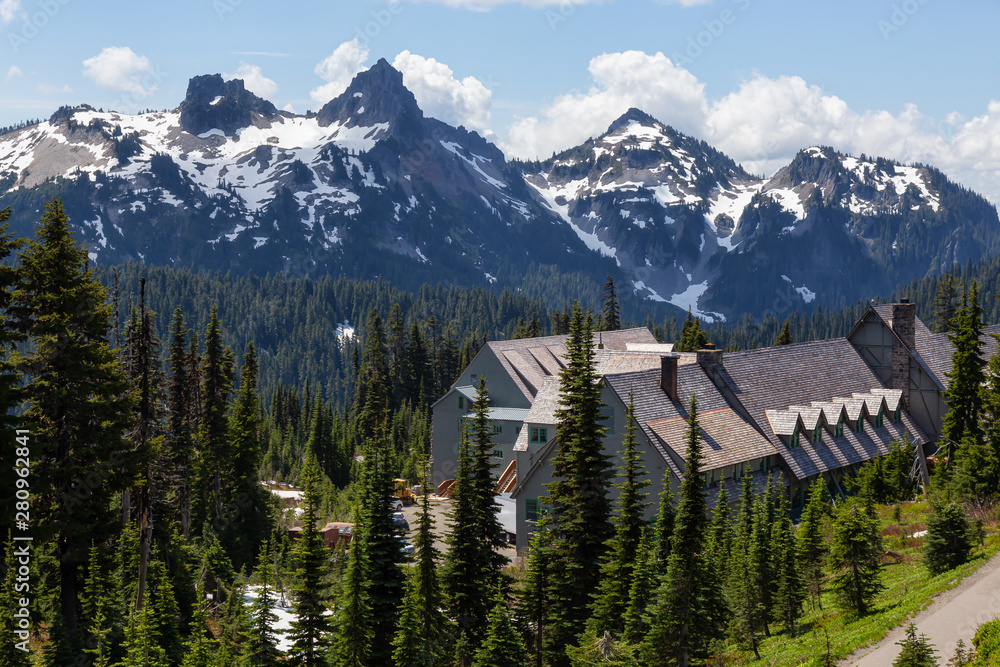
(954, 615)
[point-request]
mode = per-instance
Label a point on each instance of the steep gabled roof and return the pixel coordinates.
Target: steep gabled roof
(529, 361)
(728, 439)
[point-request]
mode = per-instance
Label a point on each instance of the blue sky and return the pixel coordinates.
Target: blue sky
(913, 80)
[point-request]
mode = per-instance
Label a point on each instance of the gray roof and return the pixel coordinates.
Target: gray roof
(727, 438)
(778, 377)
(529, 361)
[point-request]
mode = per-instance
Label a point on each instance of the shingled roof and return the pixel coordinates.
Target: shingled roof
(529, 361)
(817, 374)
(727, 438)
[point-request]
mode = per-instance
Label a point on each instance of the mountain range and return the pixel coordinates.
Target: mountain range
(368, 186)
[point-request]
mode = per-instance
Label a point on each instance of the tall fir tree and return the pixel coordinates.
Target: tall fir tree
(213, 428)
(419, 642)
(578, 494)
(789, 587)
(687, 607)
(964, 395)
(944, 303)
(533, 602)
(178, 440)
(748, 611)
(263, 650)
(617, 567)
(855, 557)
(80, 404)
(311, 625)
(811, 543)
(720, 536)
(611, 316)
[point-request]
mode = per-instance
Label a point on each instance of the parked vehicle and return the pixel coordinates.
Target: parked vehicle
(404, 492)
(400, 522)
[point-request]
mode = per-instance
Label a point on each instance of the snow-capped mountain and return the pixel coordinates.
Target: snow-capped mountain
(691, 227)
(369, 186)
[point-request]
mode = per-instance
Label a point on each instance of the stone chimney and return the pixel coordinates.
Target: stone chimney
(668, 375)
(904, 316)
(709, 357)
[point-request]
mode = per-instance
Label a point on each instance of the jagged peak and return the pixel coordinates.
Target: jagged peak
(214, 103)
(379, 92)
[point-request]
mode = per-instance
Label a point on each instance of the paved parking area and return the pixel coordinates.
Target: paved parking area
(440, 511)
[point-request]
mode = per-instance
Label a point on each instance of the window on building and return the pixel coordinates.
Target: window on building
(517, 430)
(765, 463)
(794, 442)
(498, 453)
(817, 433)
(859, 426)
(531, 509)
(475, 376)
(539, 434)
(461, 402)
(497, 429)
(879, 419)
(608, 422)
(897, 416)
(839, 431)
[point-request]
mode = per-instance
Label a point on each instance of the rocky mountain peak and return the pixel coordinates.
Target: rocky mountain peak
(376, 95)
(214, 103)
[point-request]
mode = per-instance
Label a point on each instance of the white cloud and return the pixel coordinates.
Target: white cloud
(120, 68)
(621, 80)
(763, 123)
(13, 72)
(289, 108)
(254, 80)
(9, 9)
(457, 102)
(48, 89)
(337, 69)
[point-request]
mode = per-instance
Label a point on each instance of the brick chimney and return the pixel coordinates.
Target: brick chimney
(904, 316)
(668, 375)
(709, 357)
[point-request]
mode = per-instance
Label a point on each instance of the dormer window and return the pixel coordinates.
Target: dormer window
(897, 416)
(817, 433)
(539, 434)
(859, 425)
(879, 419)
(794, 441)
(839, 430)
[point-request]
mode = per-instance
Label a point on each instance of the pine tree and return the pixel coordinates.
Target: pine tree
(532, 601)
(581, 510)
(422, 625)
(663, 530)
(949, 538)
(692, 336)
(311, 626)
(944, 303)
(762, 554)
(80, 404)
(786, 335)
(789, 588)
(487, 510)
(352, 643)
(502, 646)
(619, 561)
(855, 557)
(747, 608)
(99, 612)
(201, 645)
(263, 643)
(641, 590)
(686, 609)
(917, 651)
(811, 545)
(178, 442)
(964, 397)
(213, 431)
(720, 536)
(611, 316)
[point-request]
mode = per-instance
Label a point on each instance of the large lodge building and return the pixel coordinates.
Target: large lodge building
(794, 412)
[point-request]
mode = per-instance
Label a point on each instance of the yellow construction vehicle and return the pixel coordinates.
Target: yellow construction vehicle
(403, 492)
